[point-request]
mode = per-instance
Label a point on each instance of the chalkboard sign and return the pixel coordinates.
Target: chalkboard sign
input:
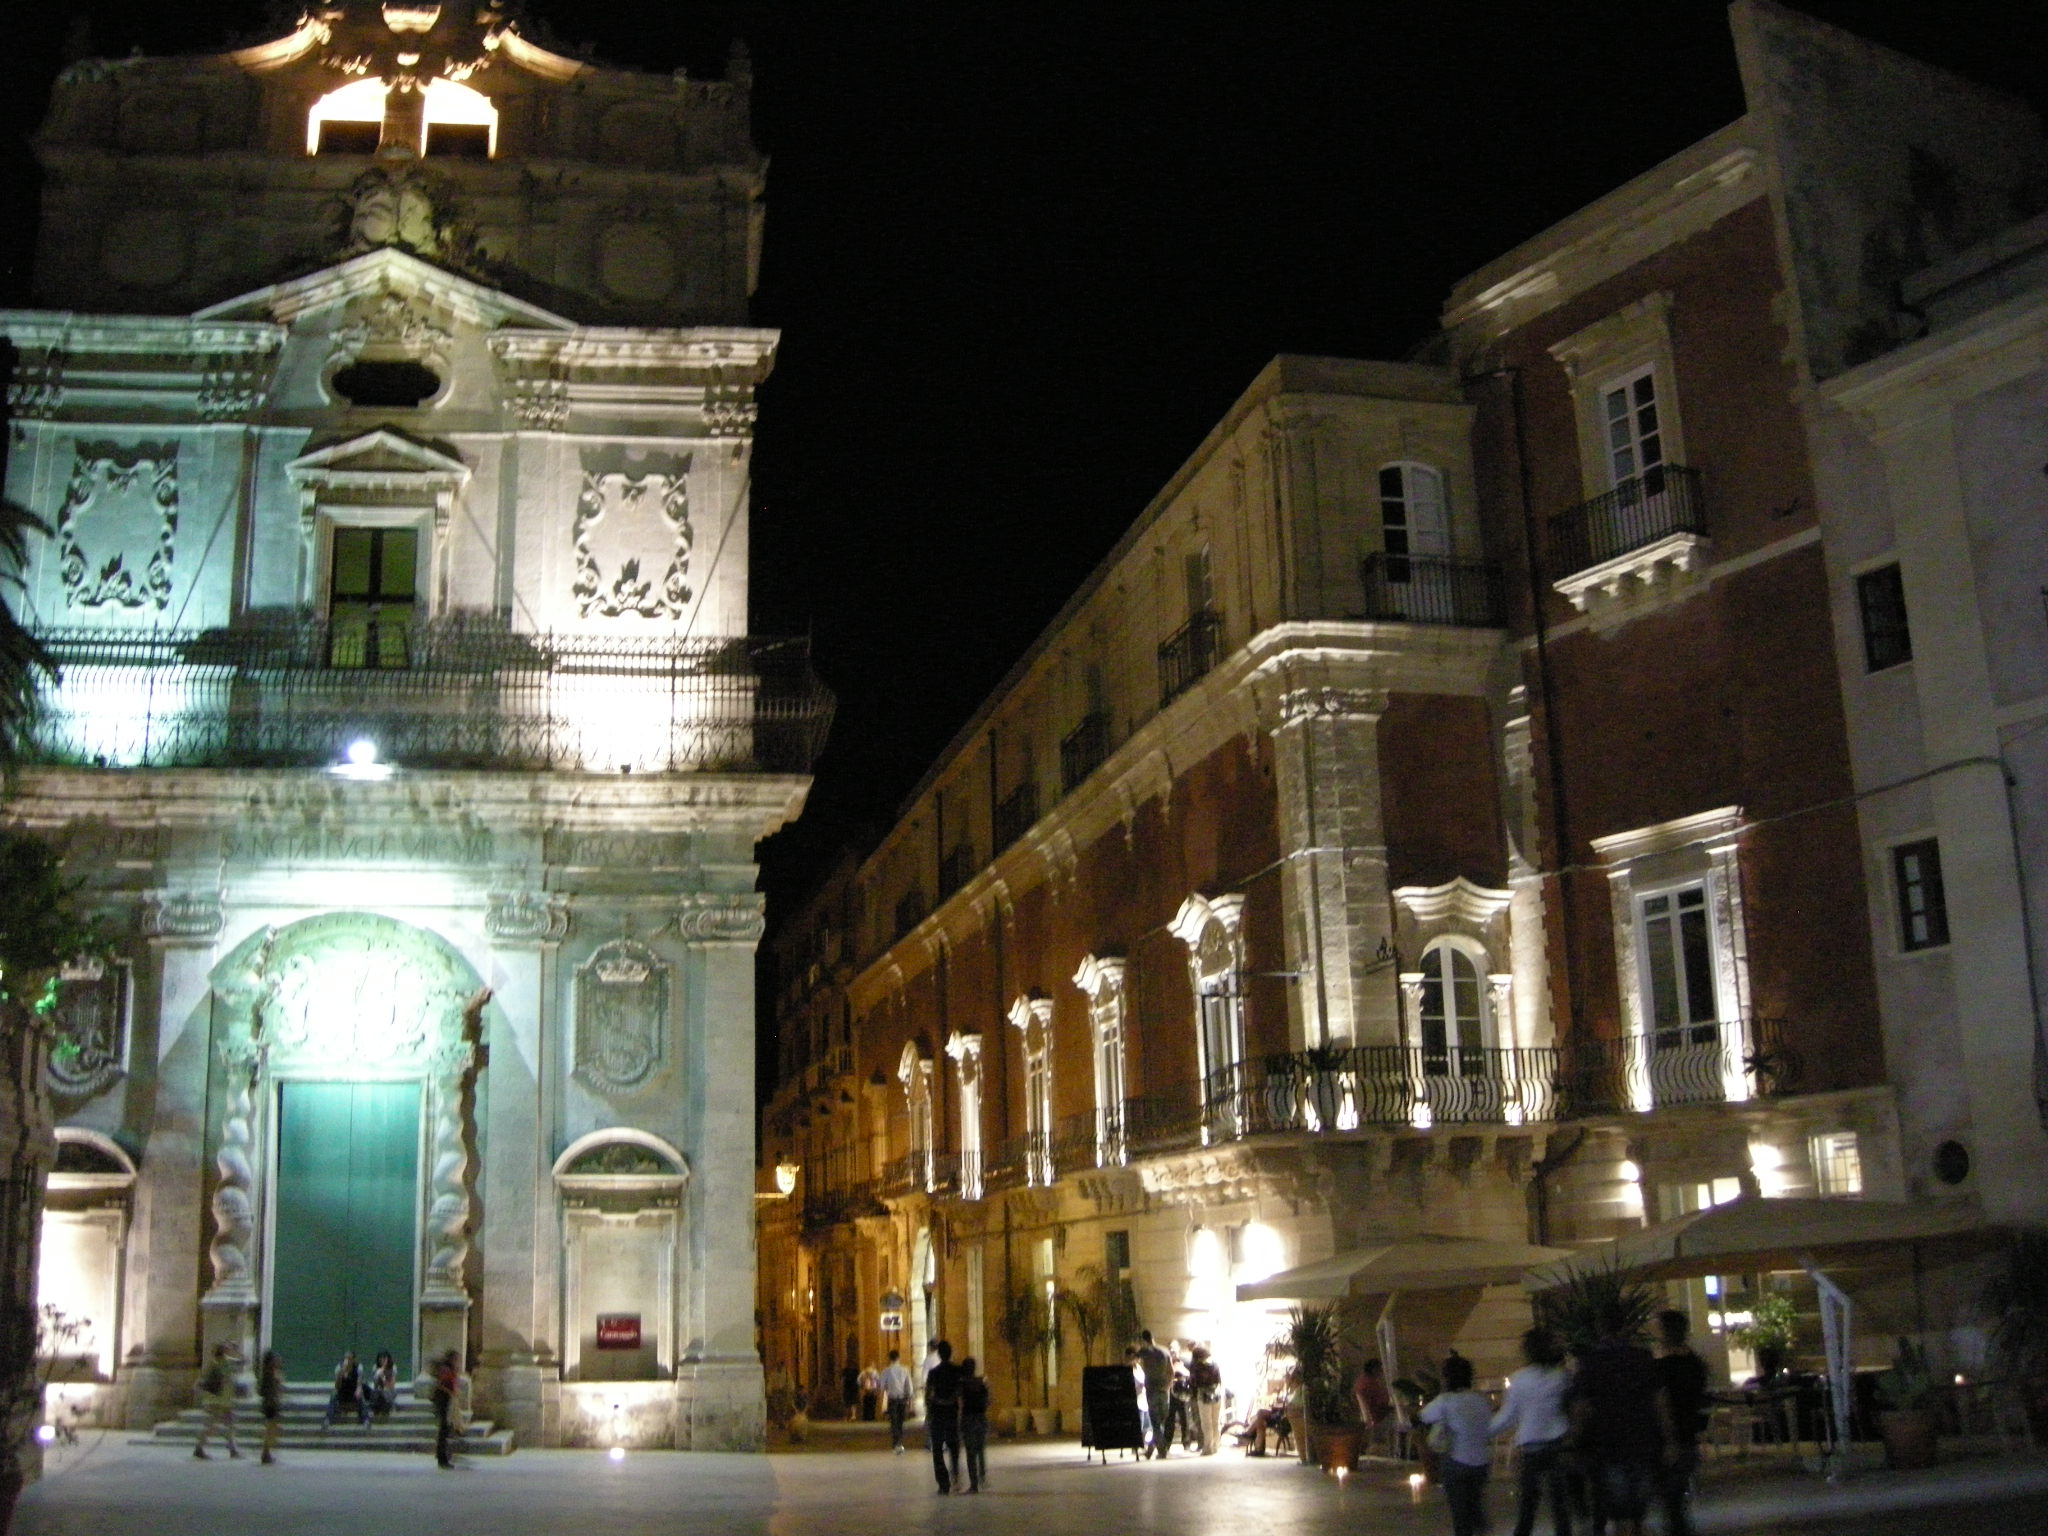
(1109, 1410)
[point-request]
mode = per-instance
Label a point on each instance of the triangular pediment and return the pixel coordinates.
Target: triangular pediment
(384, 452)
(384, 271)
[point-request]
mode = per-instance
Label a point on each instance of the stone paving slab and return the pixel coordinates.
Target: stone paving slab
(106, 1487)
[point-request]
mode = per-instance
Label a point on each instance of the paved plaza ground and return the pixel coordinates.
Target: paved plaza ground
(108, 1487)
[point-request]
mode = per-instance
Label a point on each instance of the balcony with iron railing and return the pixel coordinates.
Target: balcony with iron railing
(1189, 654)
(910, 911)
(1083, 750)
(451, 693)
(1386, 1088)
(956, 867)
(1653, 521)
(1015, 813)
(1431, 589)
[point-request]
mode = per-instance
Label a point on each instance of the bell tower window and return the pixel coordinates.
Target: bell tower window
(371, 597)
(347, 121)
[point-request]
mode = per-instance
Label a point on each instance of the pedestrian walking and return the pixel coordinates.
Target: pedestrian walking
(896, 1390)
(942, 1415)
(1534, 1410)
(870, 1393)
(447, 1383)
(1682, 1413)
(974, 1423)
(849, 1391)
(1205, 1383)
(1155, 1368)
(1144, 1403)
(1461, 1423)
(1613, 1402)
(217, 1398)
(270, 1398)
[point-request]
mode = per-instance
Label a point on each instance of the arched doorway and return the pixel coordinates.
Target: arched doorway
(346, 1086)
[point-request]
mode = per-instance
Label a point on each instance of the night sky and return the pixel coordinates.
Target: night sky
(1023, 255)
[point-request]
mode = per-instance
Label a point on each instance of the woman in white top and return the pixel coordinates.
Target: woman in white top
(1535, 1410)
(1467, 1418)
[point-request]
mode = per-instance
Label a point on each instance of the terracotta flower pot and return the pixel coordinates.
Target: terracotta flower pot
(1337, 1446)
(1910, 1436)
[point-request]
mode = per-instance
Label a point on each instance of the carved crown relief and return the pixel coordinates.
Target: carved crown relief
(117, 531)
(90, 1051)
(633, 538)
(622, 1001)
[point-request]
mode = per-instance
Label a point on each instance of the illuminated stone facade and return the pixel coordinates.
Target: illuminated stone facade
(409, 739)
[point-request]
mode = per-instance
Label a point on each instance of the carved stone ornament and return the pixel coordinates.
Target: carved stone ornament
(633, 540)
(730, 418)
(394, 323)
(90, 1019)
(722, 920)
(234, 384)
(37, 389)
(525, 917)
(622, 999)
(118, 528)
(1332, 704)
(185, 915)
(541, 404)
(350, 987)
(407, 207)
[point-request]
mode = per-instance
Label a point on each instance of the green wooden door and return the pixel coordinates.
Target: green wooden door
(347, 1224)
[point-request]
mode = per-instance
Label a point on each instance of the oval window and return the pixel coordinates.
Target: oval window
(399, 382)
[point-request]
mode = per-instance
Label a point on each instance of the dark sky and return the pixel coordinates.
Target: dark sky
(1024, 255)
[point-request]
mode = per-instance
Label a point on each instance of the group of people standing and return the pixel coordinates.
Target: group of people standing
(1176, 1397)
(1607, 1435)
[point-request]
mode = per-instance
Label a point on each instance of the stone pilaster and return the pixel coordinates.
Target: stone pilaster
(1334, 890)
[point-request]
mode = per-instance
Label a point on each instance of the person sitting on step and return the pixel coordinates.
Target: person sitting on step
(348, 1392)
(380, 1392)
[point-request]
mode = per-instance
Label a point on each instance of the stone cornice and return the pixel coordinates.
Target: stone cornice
(129, 335)
(756, 804)
(1983, 352)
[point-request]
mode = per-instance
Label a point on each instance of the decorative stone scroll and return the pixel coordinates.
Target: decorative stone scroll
(632, 536)
(117, 531)
(622, 1003)
(181, 915)
(721, 920)
(90, 1052)
(527, 917)
(1332, 704)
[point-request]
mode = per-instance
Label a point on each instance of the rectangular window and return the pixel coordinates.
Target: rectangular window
(343, 138)
(1200, 581)
(1887, 638)
(1837, 1163)
(370, 596)
(1116, 1253)
(1634, 436)
(1679, 1000)
(1923, 908)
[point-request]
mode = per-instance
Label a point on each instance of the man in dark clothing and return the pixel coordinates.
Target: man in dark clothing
(1682, 1412)
(1614, 1400)
(1157, 1368)
(942, 1415)
(447, 1383)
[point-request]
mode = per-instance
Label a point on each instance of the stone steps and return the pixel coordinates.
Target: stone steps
(409, 1427)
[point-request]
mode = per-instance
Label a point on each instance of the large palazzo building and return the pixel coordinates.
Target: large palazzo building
(390, 409)
(1471, 802)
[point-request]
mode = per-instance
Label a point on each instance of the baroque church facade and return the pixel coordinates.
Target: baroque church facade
(389, 403)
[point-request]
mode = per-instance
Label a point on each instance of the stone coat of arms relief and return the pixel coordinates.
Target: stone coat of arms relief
(622, 1002)
(632, 536)
(117, 531)
(90, 1051)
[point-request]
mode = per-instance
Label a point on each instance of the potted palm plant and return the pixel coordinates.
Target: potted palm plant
(2016, 1298)
(1770, 1333)
(1314, 1337)
(1021, 1325)
(1905, 1418)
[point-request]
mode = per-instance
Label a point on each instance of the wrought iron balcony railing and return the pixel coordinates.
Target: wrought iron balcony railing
(1083, 750)
(1364, 1088)
(956, 868)
(1431, 589)
(1188, 654)
(1015, 813)
(1633, 516)
(472, 694)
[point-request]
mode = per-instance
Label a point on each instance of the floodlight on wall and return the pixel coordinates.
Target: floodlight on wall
(359, 760)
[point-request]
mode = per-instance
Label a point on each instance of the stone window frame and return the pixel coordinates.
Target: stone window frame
(1443, 488)
(1859, 573)
(1611, 350)
(1703, 848)
(1216, 983)
(965, 1050)
(1103, 978)
(914, 1072)
(420, 497)
(1475, 916)
(1031, 1016)
(1888, 850)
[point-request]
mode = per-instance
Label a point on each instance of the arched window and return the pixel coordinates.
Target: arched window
(915, 1073)
(1414, 519)
(348, 120)
(459, 121)
(1454, 1025)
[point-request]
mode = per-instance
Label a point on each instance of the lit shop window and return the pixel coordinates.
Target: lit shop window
(1837, 1163)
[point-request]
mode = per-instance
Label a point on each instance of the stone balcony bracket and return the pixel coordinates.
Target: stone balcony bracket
(1629, 582)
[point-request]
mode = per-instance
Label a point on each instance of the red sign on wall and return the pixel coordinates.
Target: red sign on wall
(618, 1330)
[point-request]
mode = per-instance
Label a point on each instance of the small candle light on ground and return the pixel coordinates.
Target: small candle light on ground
(618, 1453)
